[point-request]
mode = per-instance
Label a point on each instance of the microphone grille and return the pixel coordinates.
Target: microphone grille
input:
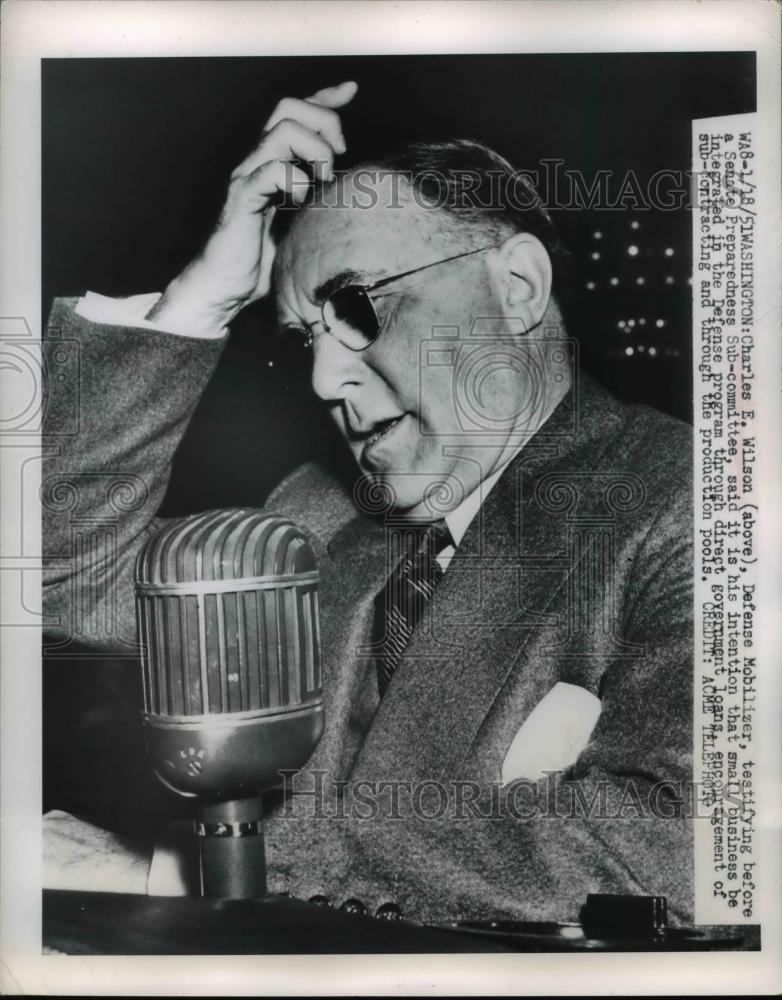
(227, 609)
(225, 545)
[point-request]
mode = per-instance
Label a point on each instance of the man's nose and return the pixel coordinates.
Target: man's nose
(335, 368)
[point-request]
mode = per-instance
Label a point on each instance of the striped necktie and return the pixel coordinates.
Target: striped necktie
(408, 590)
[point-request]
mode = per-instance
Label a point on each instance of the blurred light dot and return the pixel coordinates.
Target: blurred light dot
(614, 281)
(595, 255)
(631, 322)
(591, 285)
(640, 281)
(270, 364)
(653, 351)
(597, 234)
(629, 351)
(669, 279)
(635, 224)
(669, 251)
(621, 324)
(659, 323)
(632, 250)
(642, 321)
(641, 348)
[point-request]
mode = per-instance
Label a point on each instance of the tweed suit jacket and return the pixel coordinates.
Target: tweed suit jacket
(576, 570)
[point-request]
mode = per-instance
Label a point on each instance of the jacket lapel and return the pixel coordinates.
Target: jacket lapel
(500, 591)
(462, 652)
(350, 575)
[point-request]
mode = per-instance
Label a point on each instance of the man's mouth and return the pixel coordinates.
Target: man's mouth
(381, 430)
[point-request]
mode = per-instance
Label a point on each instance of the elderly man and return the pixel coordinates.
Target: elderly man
(520, 734)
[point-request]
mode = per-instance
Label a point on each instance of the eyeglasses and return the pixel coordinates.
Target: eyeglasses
(349, 315)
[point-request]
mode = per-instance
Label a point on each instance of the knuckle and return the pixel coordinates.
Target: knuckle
(283, 107)
(241, 180)
(286, 126)
(245, 189)
(332, 117)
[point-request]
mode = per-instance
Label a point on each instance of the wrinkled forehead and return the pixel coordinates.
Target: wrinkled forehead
(370, 223)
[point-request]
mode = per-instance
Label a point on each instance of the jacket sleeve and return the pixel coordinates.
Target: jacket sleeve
(117, 402)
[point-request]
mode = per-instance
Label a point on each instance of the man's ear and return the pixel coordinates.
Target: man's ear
(522, 273)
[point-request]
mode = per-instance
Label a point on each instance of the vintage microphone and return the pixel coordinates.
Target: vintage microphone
(227, 606)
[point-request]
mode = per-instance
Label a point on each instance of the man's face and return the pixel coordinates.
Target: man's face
(396, 410)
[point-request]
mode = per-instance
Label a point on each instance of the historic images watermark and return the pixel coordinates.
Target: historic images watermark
(551, 185)
(313, 794)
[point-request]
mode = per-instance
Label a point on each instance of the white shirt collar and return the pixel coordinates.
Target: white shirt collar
(459, 519)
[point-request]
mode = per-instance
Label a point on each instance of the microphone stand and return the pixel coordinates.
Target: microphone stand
(231, 849)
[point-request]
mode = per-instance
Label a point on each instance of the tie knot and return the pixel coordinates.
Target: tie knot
(441, 535)
(430, 538)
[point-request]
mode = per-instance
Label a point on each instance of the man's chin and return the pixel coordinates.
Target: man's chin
(415, 494)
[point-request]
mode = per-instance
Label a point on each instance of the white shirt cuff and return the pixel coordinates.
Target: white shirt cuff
(132, 311)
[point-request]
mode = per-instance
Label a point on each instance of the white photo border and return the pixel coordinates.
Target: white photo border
(134, 28)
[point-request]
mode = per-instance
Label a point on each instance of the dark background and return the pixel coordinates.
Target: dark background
(136, 155)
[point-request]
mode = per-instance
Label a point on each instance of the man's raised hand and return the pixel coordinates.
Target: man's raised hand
(235, 266)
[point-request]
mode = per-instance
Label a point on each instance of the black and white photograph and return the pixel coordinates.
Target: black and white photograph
(393, 456)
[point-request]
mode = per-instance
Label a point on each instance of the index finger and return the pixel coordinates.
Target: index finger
(335, 97)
